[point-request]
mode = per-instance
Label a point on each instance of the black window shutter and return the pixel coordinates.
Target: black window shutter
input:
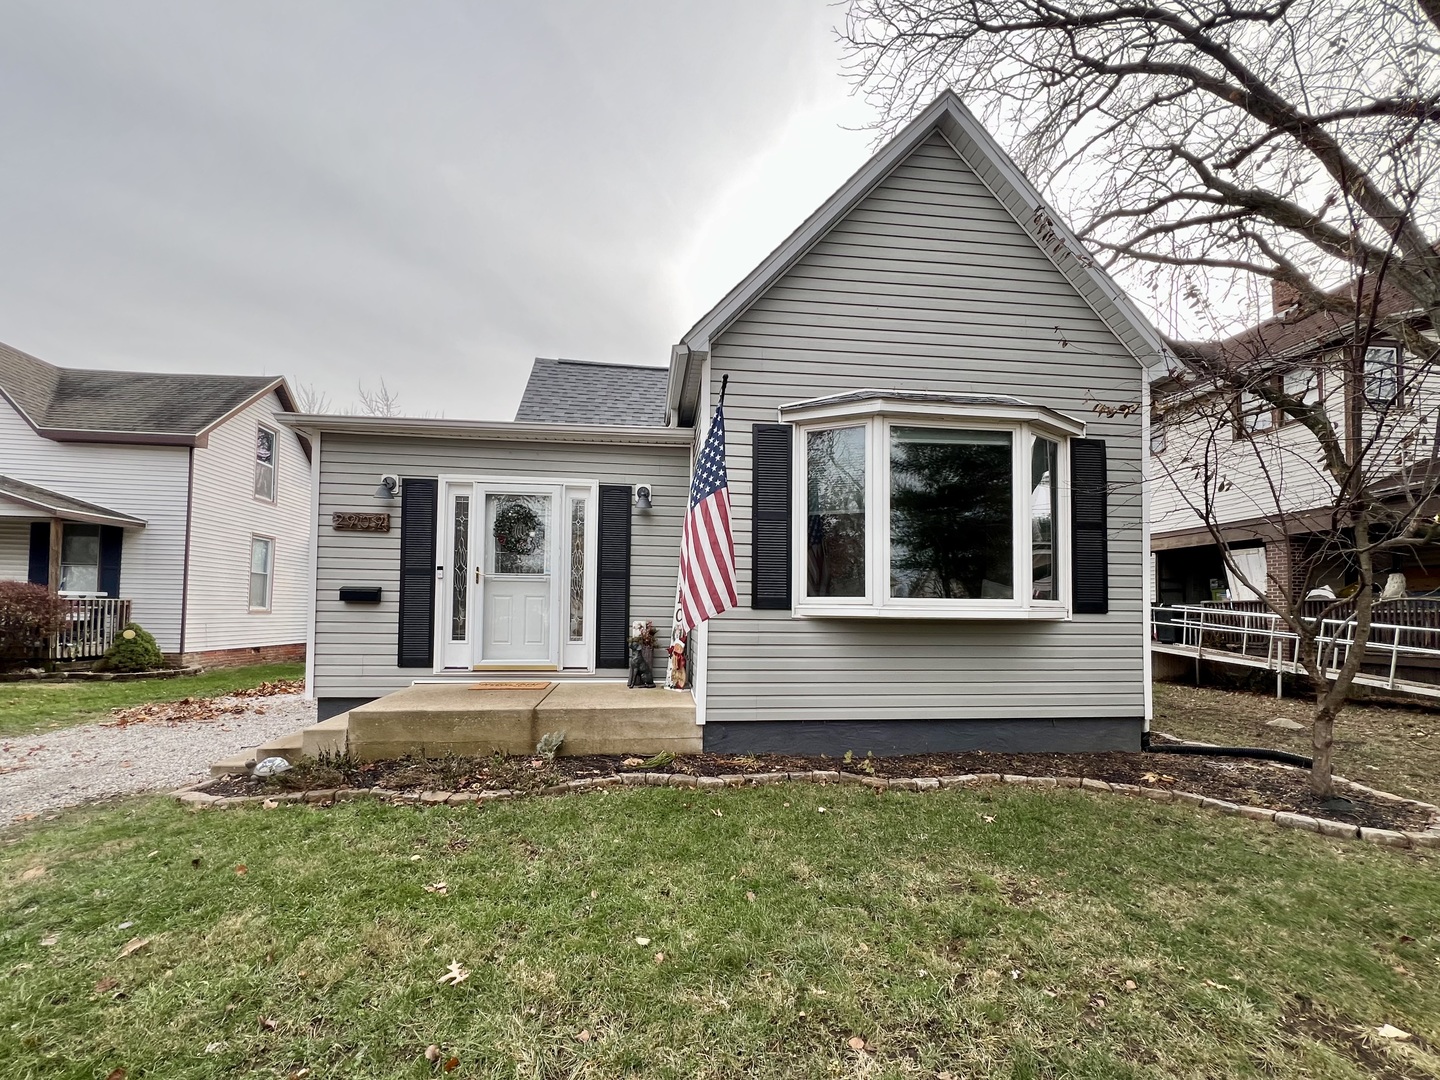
(39, 553)
(770, 517)
(612, 585)
(1090, 563)
(419, 499)
(112, 539)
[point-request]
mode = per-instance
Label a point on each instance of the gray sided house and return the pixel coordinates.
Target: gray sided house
(936, 415)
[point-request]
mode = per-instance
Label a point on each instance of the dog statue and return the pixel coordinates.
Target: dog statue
(640, 673)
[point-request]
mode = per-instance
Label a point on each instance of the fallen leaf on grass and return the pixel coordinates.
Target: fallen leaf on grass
(33, 873)
(214, 1047)
(1131, 984)
(105, 985)
(452, 1064)
(115, 1074)
(268, 1024)
(1390, 1031)
(241, 869)
(126, 924)
(584, 1036)
(717, 813)
(439, 888)
(1215, 985)
(642, 941)
(820, 809)
(299, 1074)
(989, 819)
(455, 974)
(856, 1043)
(432, 1053)
(131, 947)
(750, 896)
(659, 957)
(50, 939)
(270, 804)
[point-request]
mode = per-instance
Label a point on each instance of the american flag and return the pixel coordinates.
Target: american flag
(707, 548)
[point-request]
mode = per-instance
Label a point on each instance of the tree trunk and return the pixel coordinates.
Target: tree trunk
(1322, 748)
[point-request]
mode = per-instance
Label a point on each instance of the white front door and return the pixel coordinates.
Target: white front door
(517, 623)
(516, 581)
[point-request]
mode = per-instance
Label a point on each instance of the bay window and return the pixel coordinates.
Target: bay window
(920, 505)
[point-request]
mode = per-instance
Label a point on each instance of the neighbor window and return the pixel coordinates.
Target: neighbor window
(262, 572)
(1254, 414)
(1157, 437)
(1302, 383)
(948, 512)
(1382, 376)
(80, 559)
(265, 464)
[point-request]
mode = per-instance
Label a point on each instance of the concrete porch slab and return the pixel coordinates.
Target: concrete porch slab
(455, 718)
(445, 718)
(610, 718)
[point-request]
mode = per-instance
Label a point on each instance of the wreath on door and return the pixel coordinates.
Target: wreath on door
(518, 529)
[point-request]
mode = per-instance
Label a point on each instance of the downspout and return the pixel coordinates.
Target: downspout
(185, 568)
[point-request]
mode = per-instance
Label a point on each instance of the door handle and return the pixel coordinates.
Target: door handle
(478, 575)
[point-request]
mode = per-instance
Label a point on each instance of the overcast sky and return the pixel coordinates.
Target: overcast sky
(433, 192)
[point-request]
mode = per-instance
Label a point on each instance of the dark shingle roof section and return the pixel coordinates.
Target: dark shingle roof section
(582, 392)
(70, 402)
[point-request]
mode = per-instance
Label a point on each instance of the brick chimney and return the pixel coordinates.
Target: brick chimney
(1283, 296)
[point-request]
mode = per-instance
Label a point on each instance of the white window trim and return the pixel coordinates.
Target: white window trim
(878, 416)
(274, 465)
(269, 578)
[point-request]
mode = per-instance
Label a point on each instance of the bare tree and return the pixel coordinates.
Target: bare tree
(381, 401)
(310, 399)
(1210, 150)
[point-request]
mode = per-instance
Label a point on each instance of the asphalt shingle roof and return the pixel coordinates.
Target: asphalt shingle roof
(138, 402)
(583, 392)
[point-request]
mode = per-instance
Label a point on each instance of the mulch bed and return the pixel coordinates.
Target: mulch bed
(1254, 783)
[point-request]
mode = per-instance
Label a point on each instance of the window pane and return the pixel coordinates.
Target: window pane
(577, 569)
(1255, 412)
(264, 463)
(1382, 377)
(519, 525)
(260, 556)
(460, 570)
(835, 503)
(80, 558)
(951, 514)
(259, 591)
(1044, 459)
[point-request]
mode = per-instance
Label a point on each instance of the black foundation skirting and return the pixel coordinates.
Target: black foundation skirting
(326, 707)
(891, 737)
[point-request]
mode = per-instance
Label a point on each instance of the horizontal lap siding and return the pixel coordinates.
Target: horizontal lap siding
(355, 644)
(226, 516)
(147, 482)
(930, 284)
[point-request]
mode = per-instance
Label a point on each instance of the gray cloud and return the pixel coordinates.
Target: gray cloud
(430, 192)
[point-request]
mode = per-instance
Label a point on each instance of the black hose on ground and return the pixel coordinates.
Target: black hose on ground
(1259, 753)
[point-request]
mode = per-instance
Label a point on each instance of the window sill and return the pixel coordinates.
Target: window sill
(1048, 613)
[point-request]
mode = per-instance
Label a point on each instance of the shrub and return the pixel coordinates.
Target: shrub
(134, 650)
(29, 614)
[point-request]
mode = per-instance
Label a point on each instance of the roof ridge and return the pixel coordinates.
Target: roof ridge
(600, 363)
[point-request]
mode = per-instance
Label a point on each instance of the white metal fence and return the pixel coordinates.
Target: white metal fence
(1262, 639)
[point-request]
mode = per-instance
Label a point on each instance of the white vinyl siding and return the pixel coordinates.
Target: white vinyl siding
(148, 482)
(227, 514)
(355, 644)
(930, 284)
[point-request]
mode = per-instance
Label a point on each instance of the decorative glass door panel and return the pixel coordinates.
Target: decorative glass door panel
(517, 623)
(455, 588)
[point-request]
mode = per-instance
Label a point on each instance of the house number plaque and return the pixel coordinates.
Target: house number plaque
(360, 522)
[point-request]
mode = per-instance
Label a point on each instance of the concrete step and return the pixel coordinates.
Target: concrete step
(467, 720)
(290, 747)
(234, 766)
(328, 737)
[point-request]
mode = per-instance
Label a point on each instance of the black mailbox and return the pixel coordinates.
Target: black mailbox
(360, 594)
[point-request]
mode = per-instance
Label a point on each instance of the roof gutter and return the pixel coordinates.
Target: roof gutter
(507, 431)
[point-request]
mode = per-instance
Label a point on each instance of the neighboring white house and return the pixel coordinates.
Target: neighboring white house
(177, 500)
(939, 539)
(1257, 476)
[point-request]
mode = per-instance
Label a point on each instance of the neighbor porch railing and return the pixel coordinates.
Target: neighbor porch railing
(89, 627)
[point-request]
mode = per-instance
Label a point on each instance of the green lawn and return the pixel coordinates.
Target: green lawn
(1070, 936)
(26, 707)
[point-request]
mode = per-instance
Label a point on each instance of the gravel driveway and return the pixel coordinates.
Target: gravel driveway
(49, 770)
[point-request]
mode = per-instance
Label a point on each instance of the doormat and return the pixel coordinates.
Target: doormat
(509, 685)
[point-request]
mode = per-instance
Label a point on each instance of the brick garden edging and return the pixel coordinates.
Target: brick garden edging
(196, 796)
